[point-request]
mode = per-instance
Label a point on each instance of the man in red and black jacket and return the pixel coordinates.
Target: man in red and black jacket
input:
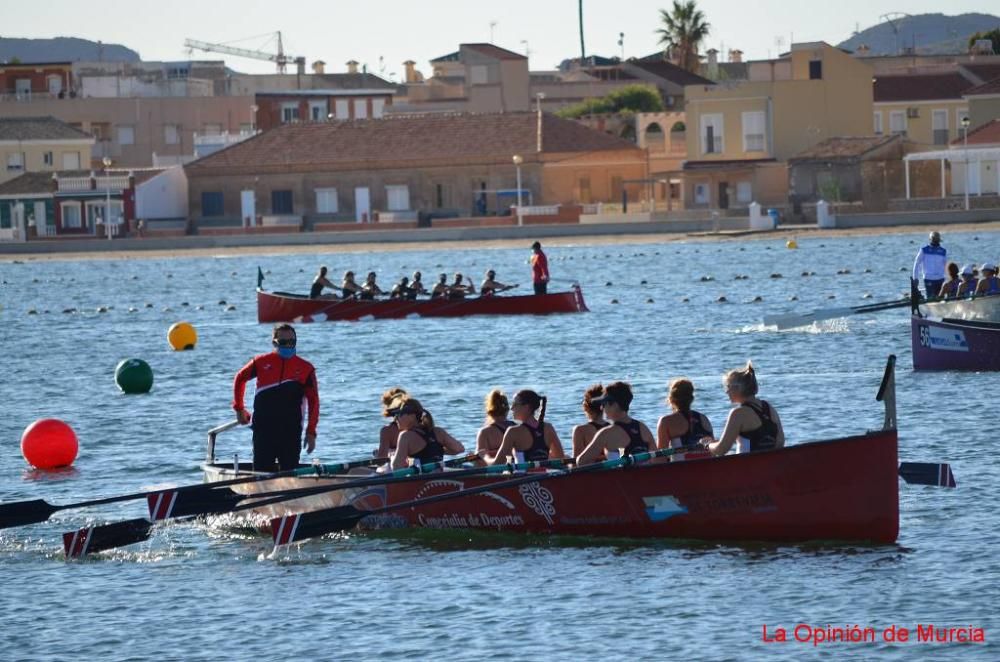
(284, 381)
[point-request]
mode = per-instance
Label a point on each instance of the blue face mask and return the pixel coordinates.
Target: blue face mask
(286, 352)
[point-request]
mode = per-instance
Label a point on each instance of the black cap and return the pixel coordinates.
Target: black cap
(618, 392)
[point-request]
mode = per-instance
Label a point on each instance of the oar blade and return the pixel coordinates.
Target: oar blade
(927, 473)
(25, 512)
(300, 526)
(795, 320)
(92, 539)
(181, 503)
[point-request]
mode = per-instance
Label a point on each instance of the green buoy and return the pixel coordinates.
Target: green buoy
(134, 376)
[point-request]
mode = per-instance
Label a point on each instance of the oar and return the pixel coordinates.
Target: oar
(790, 321)
(292, 528)
(92, 539)
(927, 473)
(168, 504)
(21, 513)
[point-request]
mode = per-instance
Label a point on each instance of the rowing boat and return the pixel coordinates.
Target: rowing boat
(835, 489)
(286, 307)
(954, 344)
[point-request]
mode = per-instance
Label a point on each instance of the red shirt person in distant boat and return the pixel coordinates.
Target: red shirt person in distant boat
(284, 382)
(539, 269)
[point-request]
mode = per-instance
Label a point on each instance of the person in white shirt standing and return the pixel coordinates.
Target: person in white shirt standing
(930, 261)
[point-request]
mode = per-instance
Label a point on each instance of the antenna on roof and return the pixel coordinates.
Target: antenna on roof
(493, 25)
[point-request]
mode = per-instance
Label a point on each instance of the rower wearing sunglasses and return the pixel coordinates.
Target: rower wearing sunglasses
(284, 380)
(420, 441)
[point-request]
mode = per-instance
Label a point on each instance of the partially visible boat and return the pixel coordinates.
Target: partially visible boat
(286, 307)
(955, 344)
(979, 309)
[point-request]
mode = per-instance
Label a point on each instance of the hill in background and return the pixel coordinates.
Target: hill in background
(929, 33)
(63, 49)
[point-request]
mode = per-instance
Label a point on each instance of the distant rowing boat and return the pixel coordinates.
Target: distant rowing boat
(285, 307)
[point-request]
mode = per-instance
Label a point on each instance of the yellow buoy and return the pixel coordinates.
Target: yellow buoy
(182, 336)
(791, 243)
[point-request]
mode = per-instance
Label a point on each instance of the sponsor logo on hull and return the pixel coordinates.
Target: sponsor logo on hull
(660, 508)
(949, 340)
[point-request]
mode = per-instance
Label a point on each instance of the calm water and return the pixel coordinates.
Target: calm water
(194, 592)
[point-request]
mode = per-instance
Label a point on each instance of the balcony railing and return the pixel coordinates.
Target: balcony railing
(101, 183)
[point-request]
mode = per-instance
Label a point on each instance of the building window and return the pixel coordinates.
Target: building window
(897, 121)
(54, 83)
(584, 183)
(616, 188)
(317, 111)
(878, 122)
(246, 127)
(326, 201)
(378, 108)
(171, 134)
(15, 162)
(439, 196)
(960, 114)
(281, 202)
(712, 134)
(96, 211)
(754, 135)
(744, 192)
(71, 216)
(701, 194)
(289, 112)
(212, 203)
(479, 74)
(815, 69)
(343, 111)
(71, 161)
(939, 123)
(48, 159)
(126, 135)
(397, 198)
(22, 87)
(212, 129)
(360, 109)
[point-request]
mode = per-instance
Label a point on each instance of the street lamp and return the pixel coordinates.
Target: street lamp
(517, 164)
(253, 118)
(107, 203)
(538, 129)
(965, 143)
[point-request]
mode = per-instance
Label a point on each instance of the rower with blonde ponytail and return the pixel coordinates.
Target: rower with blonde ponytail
(753, 424)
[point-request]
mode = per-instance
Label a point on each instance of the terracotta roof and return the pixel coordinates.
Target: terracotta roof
(494, 51)
(920, 87)
(671, 72)
(843, 148)
(728, 164)
(41, 182)
(355, 81)
(987, 134)
(450, 57)
(984, 72)
(989, 87)
(447, 138)
(38, 128)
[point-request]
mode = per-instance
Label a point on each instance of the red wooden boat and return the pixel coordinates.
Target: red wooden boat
(285, 307)
(838, 489)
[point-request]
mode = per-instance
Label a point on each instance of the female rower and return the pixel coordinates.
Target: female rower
(370, 289)
(753, 424)
(491, 434)
(684, 427)
(419, 438)
(316, 291)
(458, 290)
(531, 440)
(491, 286)
(968, 286)
(349, 289)
(441, 288)
(584, 434)
(989, 284)
(626, 435)
(389, 433)
(950, 288)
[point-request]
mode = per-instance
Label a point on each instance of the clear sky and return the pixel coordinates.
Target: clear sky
(396, 30)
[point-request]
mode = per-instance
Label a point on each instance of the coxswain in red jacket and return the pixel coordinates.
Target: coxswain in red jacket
(284, 382)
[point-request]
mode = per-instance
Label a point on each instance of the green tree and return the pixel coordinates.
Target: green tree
(992, 35)
(684, 29)
(628, 99)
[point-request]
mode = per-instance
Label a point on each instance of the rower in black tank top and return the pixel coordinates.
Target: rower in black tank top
(696, 430)
(539, 450)
(433, 450)
(765, 437)
(636, 444)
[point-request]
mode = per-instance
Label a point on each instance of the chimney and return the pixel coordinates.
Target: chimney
(735, 55)
(863, 50)
(319, 67)
(411, 71)
(712, 65)
(352, 66)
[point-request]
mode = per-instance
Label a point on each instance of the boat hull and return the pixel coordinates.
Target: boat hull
(980, 309)
(844, 489)
(283, 307)
(951, 344)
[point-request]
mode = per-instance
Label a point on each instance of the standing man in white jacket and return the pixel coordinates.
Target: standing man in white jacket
(931, 260)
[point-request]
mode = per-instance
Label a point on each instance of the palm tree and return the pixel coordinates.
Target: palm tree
(684, 29)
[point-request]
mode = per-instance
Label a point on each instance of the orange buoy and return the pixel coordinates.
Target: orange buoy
(48, 443)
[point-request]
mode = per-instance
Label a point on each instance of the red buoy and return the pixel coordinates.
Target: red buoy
(48, 443)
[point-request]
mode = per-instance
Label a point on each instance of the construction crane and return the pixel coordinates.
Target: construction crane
(279, 58)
